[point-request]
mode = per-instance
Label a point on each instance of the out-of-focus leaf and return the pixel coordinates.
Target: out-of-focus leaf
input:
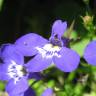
(31, 81)
(2, 85)
(69, 89)
(61, 94)
(71, 35)
(1, 3)
(78, 90)
(80, 46)
(51, 83)
(90, 94)
(71, 76)
(3, 94)
(94, 37)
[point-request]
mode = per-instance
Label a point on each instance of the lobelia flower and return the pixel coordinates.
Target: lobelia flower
(90, 53)
(13, 70)
(49, 51)
(47, 92)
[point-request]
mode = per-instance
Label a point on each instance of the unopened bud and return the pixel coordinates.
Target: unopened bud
(87, 19)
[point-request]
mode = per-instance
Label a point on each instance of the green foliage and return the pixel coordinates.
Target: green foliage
(1, 3)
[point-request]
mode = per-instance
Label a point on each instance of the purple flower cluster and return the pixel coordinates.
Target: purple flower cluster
(45, 52)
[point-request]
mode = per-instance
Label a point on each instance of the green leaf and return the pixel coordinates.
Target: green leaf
(2, 85)
(1, 3)
(80, 46)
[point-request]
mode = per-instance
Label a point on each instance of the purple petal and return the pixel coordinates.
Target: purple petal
(35, 75)
(29, 92)
(38, 64)
(68, 61)
(21, 94)
(27, 43)
(9, 52)
(3, 72)
(47, 92)
(18, 88)
(90, 53)
(58, 28)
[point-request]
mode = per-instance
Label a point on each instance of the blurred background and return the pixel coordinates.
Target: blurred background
(19, 17)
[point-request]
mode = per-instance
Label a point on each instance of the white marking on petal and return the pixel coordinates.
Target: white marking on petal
(15, 71)
(48, 51)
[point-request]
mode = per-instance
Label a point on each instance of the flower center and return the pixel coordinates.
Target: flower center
(16, 71)
(56, 40)
(48, 51)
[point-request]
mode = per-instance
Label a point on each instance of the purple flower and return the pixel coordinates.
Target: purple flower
(28, 92)
(90, 53)
(13, 70)
(49, 51)
(47, 92)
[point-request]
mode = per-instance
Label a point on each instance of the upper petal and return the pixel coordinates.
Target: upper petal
(90, 53)
(59, 28)
(27, 43)
(68, 61)
(38, 63)
(9, 53)
(18, 88)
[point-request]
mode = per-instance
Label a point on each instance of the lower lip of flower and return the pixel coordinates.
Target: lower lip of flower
(49, 50)
(15, 71)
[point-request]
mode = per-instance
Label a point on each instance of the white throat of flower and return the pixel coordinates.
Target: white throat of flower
(15, 71)
(48, 51)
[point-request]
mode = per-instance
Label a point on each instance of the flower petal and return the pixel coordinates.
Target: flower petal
(21, 94)
(38, 64)
(35, 75)
(29, 92)
(58, 28)
(18, 88)
(90, 53)
(3, 72)
(47, 92)
(68, 61)
(27, 43)
(9, 53)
